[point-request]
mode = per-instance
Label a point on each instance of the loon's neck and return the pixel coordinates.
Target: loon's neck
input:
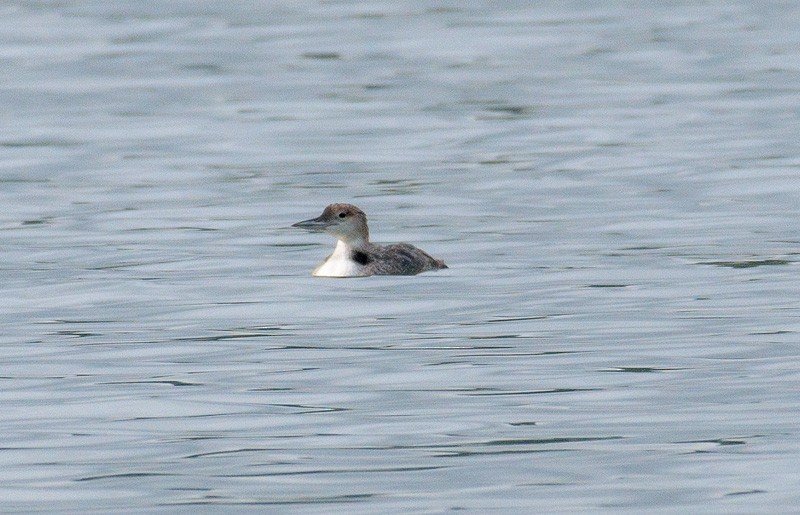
(353, 244)
(348, 260)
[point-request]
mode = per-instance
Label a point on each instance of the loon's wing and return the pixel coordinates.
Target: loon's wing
(402, 259)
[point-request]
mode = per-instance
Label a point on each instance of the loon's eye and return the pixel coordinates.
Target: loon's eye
(342, 215)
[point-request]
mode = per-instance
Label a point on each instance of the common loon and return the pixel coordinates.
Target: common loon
(355, 256)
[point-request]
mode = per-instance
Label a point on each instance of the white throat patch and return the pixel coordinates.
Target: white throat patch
(340, 263)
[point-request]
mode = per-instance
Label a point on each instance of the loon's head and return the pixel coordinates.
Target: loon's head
(344, 221)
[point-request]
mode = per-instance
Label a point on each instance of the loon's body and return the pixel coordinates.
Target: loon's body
(355, 256)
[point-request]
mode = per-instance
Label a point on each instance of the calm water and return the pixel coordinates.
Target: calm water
(615, 188)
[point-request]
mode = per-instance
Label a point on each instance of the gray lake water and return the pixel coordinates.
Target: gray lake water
(613, 184)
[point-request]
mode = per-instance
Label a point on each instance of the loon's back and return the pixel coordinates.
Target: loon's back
(397, 259)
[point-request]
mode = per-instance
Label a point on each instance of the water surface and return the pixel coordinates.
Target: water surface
(613, 187)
